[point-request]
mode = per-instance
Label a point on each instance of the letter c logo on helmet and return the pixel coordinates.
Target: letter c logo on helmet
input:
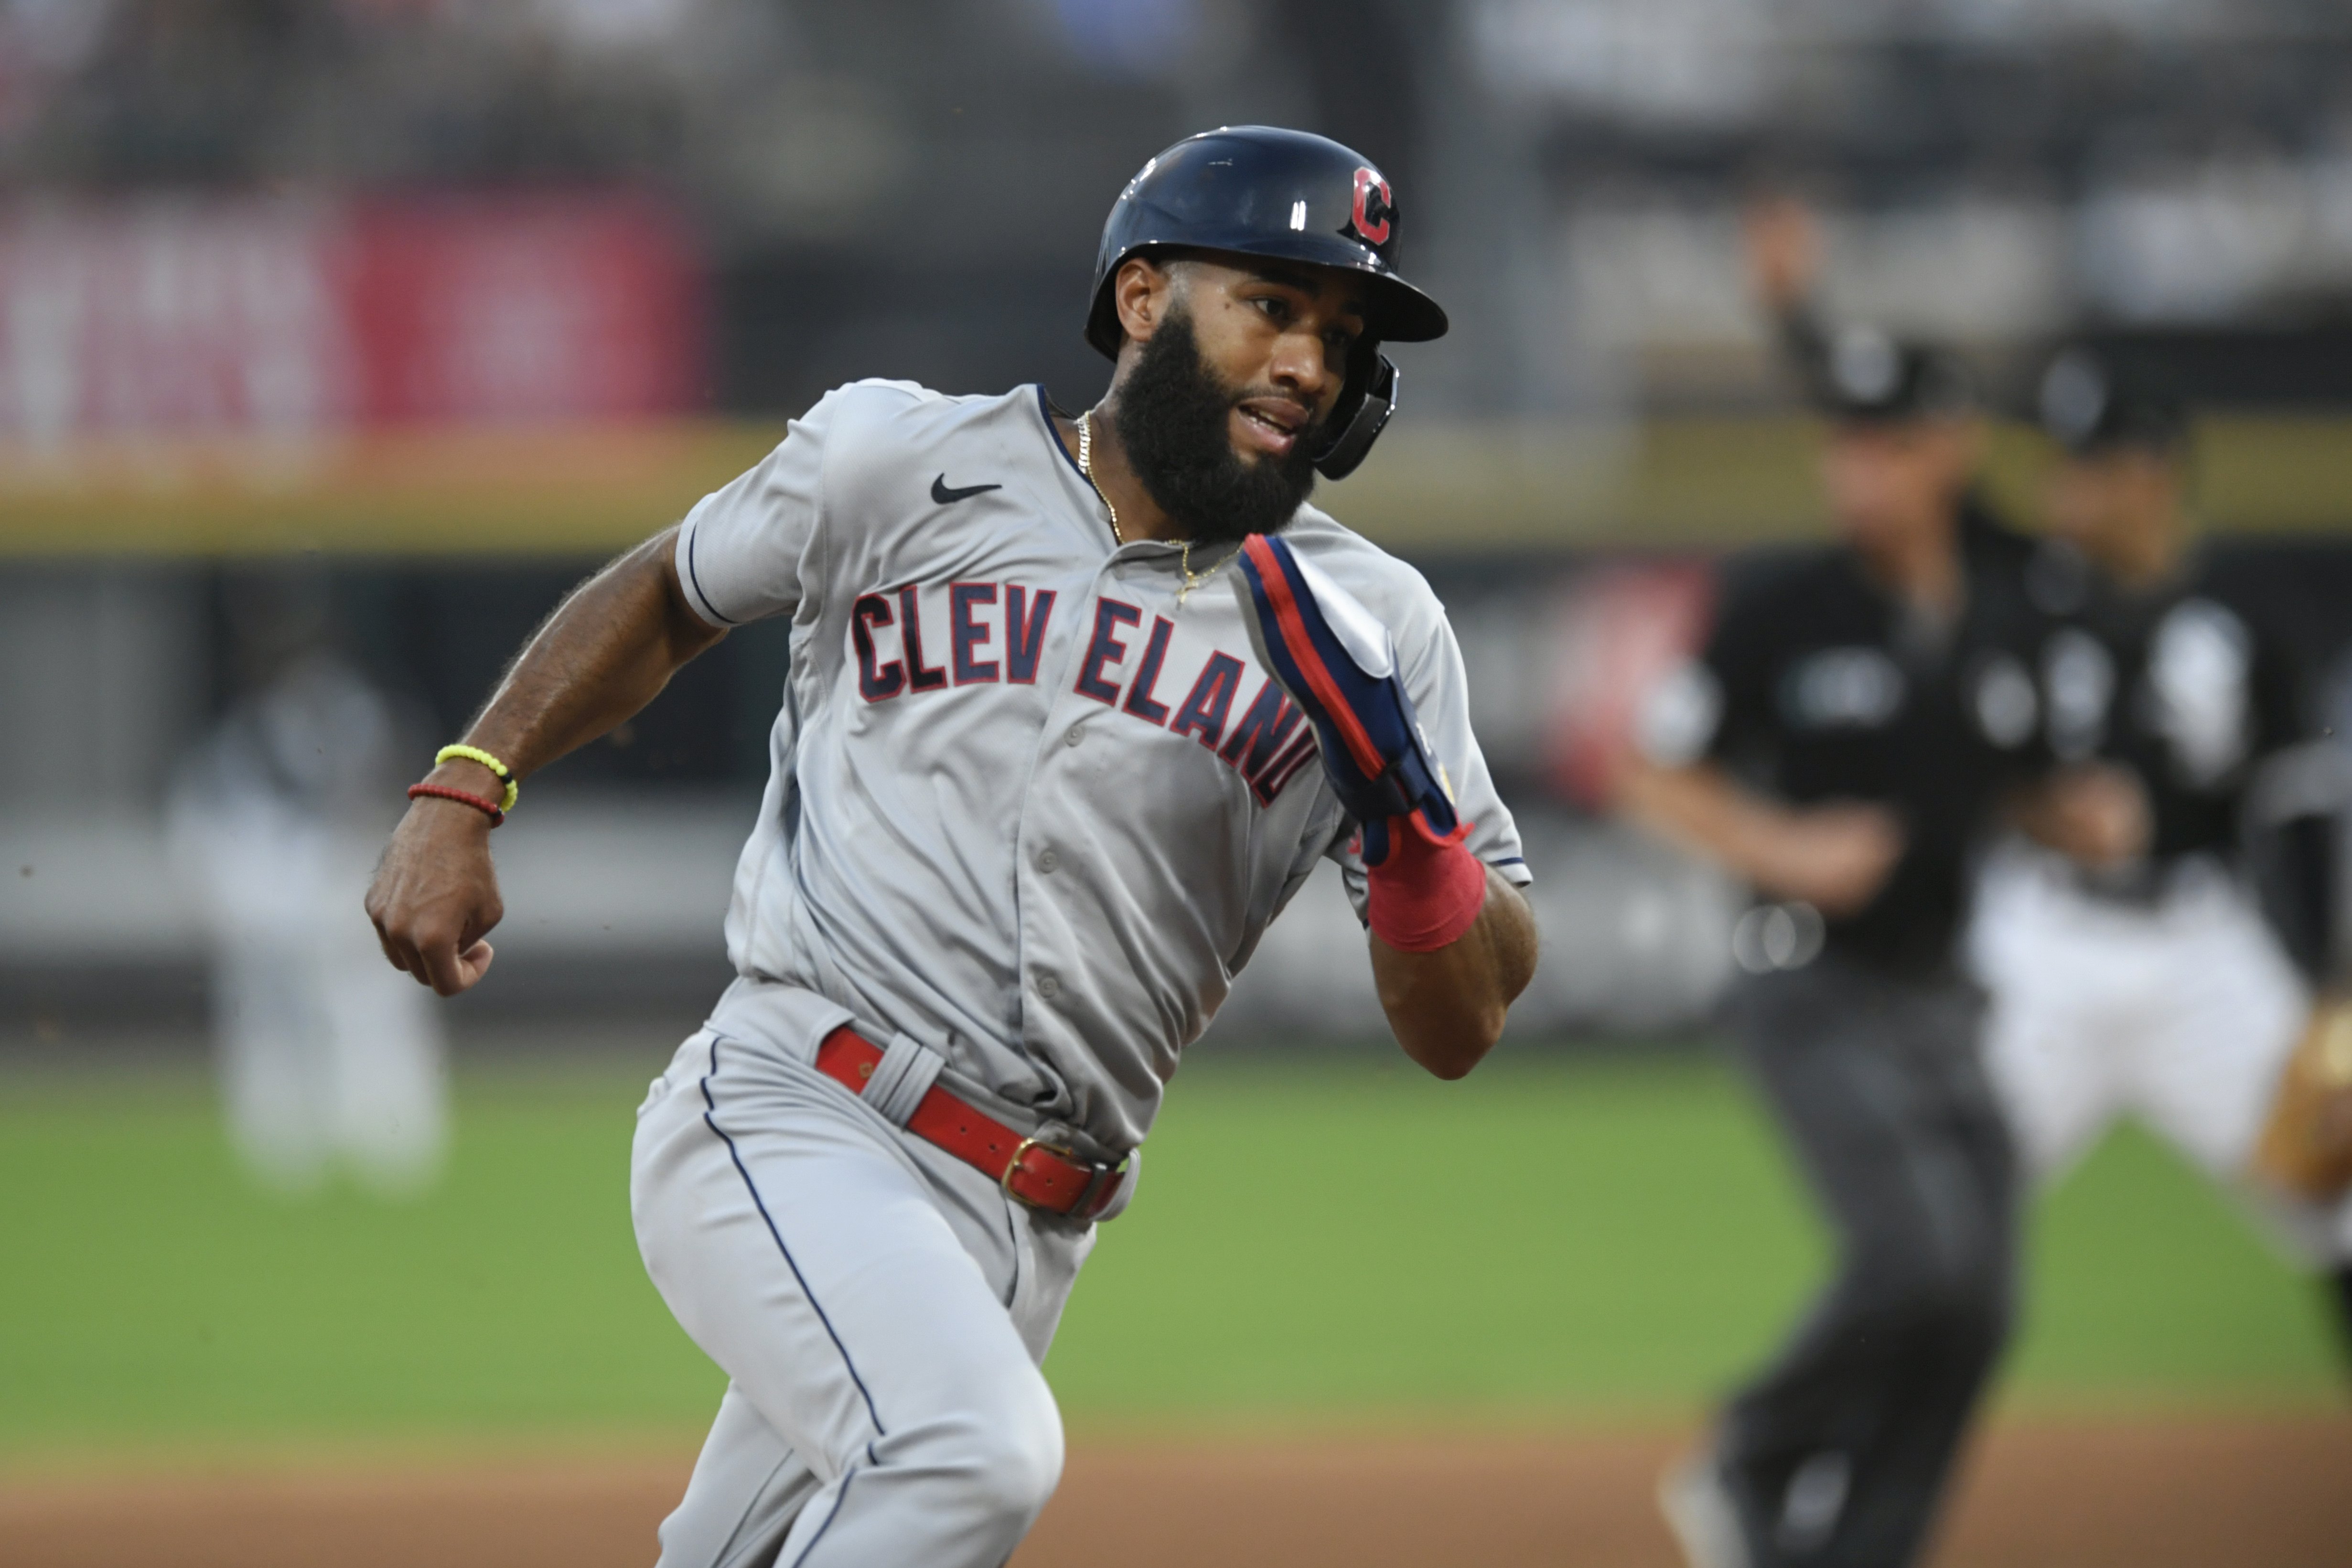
(1374, 207)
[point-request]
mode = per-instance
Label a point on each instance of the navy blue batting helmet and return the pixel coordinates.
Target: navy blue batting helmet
(1258, 190)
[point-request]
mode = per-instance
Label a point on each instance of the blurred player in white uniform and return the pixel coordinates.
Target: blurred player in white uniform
(2151, 985)
(328, 1060)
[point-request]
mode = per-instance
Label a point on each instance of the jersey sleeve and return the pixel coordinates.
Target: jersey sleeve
(744, 552)
(1440, 688)
(2201, 672)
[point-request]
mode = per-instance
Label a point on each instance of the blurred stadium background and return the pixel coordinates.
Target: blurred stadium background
(406, 312)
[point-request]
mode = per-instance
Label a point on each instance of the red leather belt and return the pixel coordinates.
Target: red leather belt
(1043, 1175)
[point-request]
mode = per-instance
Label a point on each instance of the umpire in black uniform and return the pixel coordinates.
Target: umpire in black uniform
(1856, 721)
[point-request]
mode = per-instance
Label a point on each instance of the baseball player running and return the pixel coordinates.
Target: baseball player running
(1857, 720)
(1045, 770)
(2151, 983)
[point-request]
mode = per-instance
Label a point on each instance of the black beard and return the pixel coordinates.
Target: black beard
(1172, 419)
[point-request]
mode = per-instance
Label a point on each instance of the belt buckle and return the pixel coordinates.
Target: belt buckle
(1012, 1169)
(1013, 1166)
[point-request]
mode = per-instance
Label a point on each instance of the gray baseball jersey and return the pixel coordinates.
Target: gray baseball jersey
(1032, 804)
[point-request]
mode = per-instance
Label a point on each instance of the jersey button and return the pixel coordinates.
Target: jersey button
(1077, 733)
(1048, 861)
(1048, 987)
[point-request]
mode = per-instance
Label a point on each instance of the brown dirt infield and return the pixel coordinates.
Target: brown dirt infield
(2174, 1492)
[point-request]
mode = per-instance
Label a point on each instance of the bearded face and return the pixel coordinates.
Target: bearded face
(1174, 416)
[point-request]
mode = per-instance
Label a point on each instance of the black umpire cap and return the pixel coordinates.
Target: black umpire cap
(1865, 375)
(2089, 408)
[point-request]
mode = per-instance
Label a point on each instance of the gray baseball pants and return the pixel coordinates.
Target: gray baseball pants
(880, 1310)
(1837, 1455)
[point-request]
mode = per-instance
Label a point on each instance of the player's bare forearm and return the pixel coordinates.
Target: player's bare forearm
(1447, 1006)
(1702, 809)
(604, 654)
(1834, 857)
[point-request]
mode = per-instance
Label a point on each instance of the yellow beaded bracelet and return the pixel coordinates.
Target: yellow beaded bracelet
(476, 754)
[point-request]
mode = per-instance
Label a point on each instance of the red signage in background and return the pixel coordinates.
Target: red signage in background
(1614, 631)
(520, 308)
(183, 315)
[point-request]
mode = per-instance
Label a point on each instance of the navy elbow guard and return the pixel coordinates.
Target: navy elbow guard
(1339, 663)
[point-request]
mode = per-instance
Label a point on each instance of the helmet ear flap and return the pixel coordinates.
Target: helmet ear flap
(1364, 408)
(1103, 333)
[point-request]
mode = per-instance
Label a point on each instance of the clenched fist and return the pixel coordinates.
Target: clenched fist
(435, 895)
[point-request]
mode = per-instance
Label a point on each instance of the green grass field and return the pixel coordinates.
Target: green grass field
(1554, 1239)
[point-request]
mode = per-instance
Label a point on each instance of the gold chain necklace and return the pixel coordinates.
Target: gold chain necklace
(1086, 466)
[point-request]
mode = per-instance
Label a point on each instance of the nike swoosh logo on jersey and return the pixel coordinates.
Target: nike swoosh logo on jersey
(943, 495)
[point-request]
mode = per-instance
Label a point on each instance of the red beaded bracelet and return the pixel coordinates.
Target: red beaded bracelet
(442, 792)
